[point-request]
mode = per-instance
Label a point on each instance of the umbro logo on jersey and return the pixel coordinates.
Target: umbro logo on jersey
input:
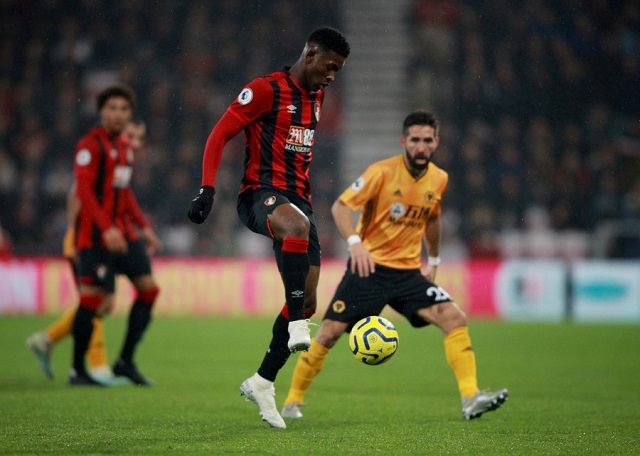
(291, 109)
(397, 193)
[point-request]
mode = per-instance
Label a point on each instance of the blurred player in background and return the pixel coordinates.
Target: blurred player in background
(400, 199)
(279, 114)
(41, 343)
(106, 240)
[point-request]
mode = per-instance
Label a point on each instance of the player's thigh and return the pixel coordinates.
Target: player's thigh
(96, 271)
(447, 316)
(136, 265)
(254, 208)
(288, 220)
(423, 302)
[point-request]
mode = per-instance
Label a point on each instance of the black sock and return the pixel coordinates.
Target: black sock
(82, 329)
(278, 351)
(139, 319)
(295, 268)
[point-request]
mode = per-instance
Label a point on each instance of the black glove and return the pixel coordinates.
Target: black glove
(201, 204)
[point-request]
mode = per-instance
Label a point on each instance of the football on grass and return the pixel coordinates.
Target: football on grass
(373, 340)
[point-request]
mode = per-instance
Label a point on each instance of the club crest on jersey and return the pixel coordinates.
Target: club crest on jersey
(358, 184)
(114, 153)
(316, 111)
(429, 197)
(129, 155)
(397, 210)
(245, 96)
(270, 201)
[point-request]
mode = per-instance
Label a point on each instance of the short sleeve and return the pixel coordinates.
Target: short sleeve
(363, 189)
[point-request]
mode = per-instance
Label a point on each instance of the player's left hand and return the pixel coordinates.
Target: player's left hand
(430, 273)
(154, 245)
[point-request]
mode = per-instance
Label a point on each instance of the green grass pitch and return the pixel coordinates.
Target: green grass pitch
(575, 389)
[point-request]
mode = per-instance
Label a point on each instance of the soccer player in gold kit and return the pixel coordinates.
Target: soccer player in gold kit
(400, 199)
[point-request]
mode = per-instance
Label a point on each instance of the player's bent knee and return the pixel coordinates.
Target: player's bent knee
(289, 221)
(91, 301)
(148, 296)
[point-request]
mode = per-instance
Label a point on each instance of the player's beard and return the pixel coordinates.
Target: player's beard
(417, 166)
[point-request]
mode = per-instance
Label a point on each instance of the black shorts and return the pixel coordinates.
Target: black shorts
(255, 205)
(405, 291)
(98, 266)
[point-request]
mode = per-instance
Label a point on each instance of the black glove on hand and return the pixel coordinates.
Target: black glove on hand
(201, 204)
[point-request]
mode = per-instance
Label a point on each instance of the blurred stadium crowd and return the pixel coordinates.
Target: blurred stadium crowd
(539, 103)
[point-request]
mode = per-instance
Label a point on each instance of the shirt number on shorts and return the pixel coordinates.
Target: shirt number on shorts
(438, 294)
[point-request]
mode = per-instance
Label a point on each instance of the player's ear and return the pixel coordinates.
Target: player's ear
(310, 52)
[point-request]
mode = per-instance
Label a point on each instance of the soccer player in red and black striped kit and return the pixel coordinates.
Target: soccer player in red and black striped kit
(279, 114)
(107, 242)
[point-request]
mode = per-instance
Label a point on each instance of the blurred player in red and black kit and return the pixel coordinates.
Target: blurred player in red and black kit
(279, 114)
(41, 343)
(107, 242)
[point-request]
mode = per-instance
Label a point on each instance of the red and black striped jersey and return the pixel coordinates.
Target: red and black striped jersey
(103, 169)
(280, 120)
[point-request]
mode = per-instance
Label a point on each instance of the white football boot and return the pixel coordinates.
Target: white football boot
(262, 393)
(299, 336)
(41, 346)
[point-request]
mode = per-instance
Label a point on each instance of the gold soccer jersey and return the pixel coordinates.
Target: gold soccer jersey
(395, 210)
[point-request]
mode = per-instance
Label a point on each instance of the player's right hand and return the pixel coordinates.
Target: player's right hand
(114, 240)
(201, 204)
(361, 261)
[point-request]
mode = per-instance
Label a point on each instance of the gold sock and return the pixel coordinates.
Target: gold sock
(97, 352)
(63, 326)
(308, 366)
(460, 356)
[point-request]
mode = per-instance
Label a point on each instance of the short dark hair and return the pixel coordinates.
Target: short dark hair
(419, 118)
(330, 39)
(117, 90)
(138, 122)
